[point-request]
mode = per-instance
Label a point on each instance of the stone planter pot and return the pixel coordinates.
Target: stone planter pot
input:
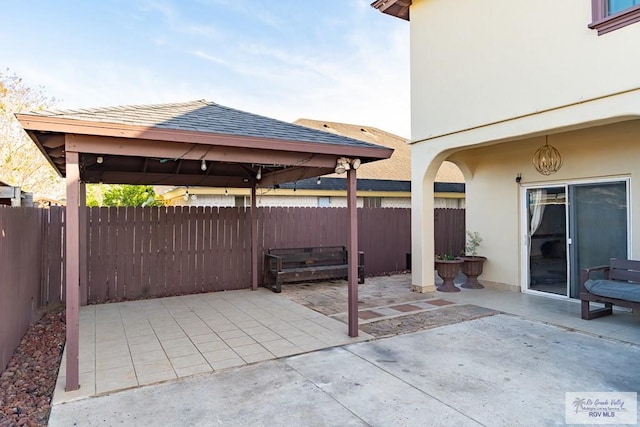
(448, 270)
(472, 268)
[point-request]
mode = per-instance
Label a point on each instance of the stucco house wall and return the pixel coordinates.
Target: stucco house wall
(489, 82)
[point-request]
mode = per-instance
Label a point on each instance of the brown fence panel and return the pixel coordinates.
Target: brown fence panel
(385, 237)
(383, 234)
(21, 253)
(449, 230)
(142, 252)
(53, 255)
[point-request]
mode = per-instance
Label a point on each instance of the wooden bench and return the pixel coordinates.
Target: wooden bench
(623, 274)
(289, 265)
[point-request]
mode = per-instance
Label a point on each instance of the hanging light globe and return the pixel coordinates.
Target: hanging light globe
(547, 159)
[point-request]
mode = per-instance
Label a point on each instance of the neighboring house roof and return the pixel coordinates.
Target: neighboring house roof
(397, 167)
(386, 185)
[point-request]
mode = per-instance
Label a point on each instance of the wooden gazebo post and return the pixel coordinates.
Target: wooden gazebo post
(352, 248)
(254, 237)
(72, 263)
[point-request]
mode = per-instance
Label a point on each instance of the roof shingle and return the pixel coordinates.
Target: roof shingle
(203, 116)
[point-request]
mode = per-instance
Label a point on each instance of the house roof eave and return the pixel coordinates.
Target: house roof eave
(397, 8)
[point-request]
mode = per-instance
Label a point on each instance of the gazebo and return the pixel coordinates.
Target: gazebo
(198, 143)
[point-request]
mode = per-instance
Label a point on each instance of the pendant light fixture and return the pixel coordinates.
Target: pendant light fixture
(547, 159)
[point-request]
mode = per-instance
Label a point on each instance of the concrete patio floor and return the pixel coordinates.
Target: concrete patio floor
(127, 345)
(500, 370)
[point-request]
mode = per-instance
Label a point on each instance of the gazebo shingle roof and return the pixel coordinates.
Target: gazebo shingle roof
(202, 116)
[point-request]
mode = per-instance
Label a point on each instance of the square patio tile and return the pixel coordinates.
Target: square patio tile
(145, 348)
(405, 308)
(439, 302)
(104, 363)
(112, 349)
(239, 342)
(176, 342)
(369, 314)
(184, 350)
(289, 332)
(258, 357)
(208, 337)
(115, 379)
(206, 347)
(152, 356)
(219, 355)
(189, 360)
(142, 340)
(193, 370)
(149, 367)
(228, 363)
(170, 333)
(256, 330)
(267, 336)
(249, 349)
(233, 333)
(156, 376)
(218, 327)
(244, 324)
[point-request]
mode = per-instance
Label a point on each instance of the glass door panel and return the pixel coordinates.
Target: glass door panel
(598, 218)
(547, 235)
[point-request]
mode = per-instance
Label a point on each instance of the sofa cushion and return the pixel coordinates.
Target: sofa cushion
(614, 289)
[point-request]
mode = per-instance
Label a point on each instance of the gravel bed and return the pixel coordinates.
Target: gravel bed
(27, 385)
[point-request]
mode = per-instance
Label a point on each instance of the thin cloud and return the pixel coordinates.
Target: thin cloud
(177, 23)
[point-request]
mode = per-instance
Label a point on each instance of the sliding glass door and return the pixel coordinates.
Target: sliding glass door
(570, 227)
(547, 239)
(599, 217)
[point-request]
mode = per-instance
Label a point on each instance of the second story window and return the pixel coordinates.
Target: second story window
(610, 15)
(615, 6)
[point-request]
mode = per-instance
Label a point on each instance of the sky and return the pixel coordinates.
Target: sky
(333, 60)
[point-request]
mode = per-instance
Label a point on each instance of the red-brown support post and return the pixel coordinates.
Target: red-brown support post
(254, 238)
(73, 270)
(352, 248)
(84, 274)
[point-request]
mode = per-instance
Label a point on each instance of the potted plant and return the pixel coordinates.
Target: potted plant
(473, 263)
(447, 267)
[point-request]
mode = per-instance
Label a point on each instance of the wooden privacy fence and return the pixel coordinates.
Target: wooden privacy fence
(20, 275)
(449, 231)
(144, 252)
(151, 252)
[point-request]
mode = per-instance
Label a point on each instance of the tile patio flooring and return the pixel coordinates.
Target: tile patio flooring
(128, 344)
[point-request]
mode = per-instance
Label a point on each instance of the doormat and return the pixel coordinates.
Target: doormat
(426, 320)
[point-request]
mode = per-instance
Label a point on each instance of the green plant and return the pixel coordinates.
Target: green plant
(445, 257)
(473, 241)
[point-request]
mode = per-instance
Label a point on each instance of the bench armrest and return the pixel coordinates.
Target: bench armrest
(270, 257)
(585, 274)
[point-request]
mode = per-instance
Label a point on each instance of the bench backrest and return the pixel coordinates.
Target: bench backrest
(314, 256)
(624, 269)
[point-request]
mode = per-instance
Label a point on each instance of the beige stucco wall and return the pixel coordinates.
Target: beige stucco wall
(488, 81)
(494, 199)
(479, 62)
